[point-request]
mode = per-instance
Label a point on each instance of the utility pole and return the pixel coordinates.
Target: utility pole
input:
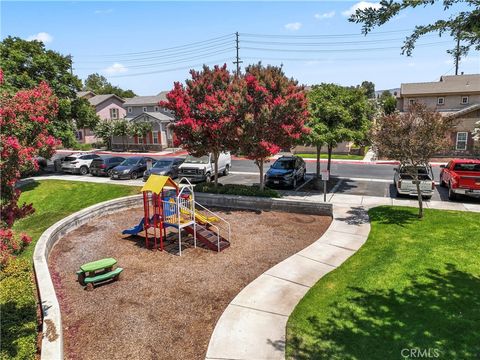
(238, 61)
(457, 54)
(71, 63)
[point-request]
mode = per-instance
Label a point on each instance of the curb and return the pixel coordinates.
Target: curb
(52, 334)
(252, 327)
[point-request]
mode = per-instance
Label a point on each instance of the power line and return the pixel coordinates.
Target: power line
(194, 58)
(174, 69)
(217, 47)
(193, 44)
(323, 35)
(340, 50)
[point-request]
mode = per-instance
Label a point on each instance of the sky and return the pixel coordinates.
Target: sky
(147, 46)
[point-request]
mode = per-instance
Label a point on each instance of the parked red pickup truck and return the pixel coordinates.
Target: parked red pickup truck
(461, 176)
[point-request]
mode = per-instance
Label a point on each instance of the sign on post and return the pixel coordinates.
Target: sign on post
(325, 174)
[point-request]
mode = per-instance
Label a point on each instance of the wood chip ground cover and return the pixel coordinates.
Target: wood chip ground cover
(165, 306)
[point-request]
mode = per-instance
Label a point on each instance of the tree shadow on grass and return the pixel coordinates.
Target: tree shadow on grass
(393, 215)
(15, 329)
(438, 310)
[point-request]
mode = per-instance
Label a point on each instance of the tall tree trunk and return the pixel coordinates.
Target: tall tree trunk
(123, 141)
(319, 149)
(216, 155)
(330, 148)
(419, 194)
(260, 167)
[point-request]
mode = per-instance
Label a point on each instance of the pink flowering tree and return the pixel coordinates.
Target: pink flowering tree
(204, 111)
(271, 114)
(24, 120)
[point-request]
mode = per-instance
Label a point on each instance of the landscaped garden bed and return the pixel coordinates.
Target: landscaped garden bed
(52, 200)
(415, 284)
(165, 306)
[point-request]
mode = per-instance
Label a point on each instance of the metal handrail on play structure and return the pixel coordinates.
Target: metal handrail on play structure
(189, 186)
(217, 227)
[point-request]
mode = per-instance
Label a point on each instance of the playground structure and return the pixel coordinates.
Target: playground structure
(168, 205)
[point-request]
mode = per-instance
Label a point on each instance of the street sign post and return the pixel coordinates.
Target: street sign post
(325, 177)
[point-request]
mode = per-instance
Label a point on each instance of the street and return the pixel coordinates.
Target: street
(349, 178)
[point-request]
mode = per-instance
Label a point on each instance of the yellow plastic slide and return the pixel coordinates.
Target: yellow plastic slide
(200, 217)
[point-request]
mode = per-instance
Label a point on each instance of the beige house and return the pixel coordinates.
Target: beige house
(455, 96)
(147, 109)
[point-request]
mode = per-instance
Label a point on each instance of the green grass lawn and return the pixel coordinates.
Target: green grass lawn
(414, 284)
(334, 156)
(52, 200)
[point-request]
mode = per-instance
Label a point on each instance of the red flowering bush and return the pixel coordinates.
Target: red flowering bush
(205, 112)
(24, 135)
(271, 114)
(11, 244)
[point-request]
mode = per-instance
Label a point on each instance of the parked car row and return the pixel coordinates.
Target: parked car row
(116, 167)
(460, 176)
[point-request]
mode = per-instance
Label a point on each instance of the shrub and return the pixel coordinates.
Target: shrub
(82, 147)
(236, 189)
(17, 300)
(11, 244)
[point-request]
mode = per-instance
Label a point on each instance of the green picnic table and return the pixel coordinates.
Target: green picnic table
(97, 271)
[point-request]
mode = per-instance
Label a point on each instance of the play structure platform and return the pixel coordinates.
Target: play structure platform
(167, 205)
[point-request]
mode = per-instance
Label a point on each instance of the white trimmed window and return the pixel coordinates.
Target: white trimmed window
(144, 109)
(411, 101)
(129, 109)
(464, 100)
(113, 113)
(461, 143)
(155, 137)
(440, 100)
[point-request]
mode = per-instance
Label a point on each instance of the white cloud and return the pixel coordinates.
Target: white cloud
(116, 68)
(326, 15)
(106, 11)
(293, 26)
(41, 36)
(361, 6)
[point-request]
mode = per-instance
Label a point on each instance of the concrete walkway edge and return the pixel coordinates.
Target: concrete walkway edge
(253, 324)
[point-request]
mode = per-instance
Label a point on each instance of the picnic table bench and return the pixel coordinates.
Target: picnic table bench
(97, 271)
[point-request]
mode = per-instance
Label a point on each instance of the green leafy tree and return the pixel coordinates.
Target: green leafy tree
(337, 114)
(369, 88)
(105, 130)
(413, 138)
(122, 128)
(100, 85)
(141, 129)
(464, 25)
(388, 102)
(26, 64)
(87, 117)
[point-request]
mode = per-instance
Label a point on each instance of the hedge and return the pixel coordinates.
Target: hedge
(236, 189)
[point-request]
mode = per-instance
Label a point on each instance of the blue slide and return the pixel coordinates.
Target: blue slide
(134, 230)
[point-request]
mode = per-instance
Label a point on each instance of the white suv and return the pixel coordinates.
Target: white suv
(78, 163)
(203, 169)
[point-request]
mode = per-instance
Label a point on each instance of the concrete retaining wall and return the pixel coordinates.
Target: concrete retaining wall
(52, 339)
(253, 203)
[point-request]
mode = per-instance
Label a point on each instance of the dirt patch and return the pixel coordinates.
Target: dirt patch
(165, 306)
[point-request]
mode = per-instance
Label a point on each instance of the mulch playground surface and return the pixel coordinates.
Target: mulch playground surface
(165, 306)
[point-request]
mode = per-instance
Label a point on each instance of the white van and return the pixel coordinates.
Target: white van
(203, 168)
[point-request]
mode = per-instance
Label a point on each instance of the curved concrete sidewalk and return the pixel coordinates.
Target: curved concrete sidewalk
(253, 324)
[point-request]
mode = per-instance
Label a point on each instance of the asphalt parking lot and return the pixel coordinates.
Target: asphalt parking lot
(349, 179)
